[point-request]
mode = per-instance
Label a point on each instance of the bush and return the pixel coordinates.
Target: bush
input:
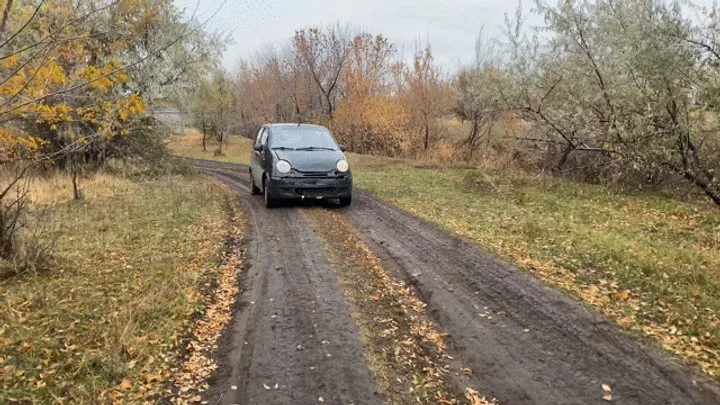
(25, 243)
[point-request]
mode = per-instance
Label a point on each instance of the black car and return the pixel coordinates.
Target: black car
(297, 162)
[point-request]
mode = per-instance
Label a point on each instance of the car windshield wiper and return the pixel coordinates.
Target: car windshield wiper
(315, 148)
(282, 148)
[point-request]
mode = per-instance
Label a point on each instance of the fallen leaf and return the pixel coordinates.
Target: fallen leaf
(234, 387)
(150, 378)
(267, 387)
(608, 397)
(622, 295)
(125, 384)
(606, 388)
(277, 385)
(321, 399)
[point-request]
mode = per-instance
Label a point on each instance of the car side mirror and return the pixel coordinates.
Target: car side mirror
(342, 148)
(258, 148)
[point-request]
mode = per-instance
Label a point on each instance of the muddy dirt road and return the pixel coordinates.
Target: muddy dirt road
(525, 343)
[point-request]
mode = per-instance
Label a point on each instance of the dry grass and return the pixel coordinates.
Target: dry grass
(236, 150)
(110, 314)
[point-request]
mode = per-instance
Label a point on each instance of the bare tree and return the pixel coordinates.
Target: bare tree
(324, 52)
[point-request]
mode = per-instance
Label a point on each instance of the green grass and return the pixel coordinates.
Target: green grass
(128, 264)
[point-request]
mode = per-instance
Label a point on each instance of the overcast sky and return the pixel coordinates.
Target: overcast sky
(450, 25)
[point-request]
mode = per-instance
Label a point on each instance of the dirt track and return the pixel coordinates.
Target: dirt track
(525, 342)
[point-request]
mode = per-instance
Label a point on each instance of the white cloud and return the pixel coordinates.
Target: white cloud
(451, 25)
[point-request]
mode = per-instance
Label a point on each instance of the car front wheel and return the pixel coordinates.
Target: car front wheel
(254, 189)
(270, 201)
(345, 201)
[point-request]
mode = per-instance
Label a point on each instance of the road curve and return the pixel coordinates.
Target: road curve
(526, 343)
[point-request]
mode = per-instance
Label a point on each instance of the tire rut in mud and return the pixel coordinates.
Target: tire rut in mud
(292, 339)
(527, 343)
(407, 353)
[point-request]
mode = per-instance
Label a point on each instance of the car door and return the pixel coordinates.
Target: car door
(257, 162)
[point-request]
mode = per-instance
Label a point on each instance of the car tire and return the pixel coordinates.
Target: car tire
(254, 190)
(270, 201)
(345, 201)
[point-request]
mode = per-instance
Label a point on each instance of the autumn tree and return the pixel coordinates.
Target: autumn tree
(625, 82)
(70, 90)
(425, 94)
(324, 52)
(369, 118)
(216, 104)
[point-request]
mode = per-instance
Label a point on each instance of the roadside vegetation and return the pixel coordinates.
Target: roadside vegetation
(617, 92)
(105, 320)
(109, 250)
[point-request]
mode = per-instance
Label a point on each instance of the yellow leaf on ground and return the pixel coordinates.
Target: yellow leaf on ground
(151, 378)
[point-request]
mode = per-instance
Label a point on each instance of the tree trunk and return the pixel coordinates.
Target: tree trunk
(474, 128)
(76, 191)
(330, 106)
(222, 140)
(202, 118)
(563, 158)
(427, 134)
(704, 186)
(5, 16)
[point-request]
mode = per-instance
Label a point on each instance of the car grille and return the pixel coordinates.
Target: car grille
(317, 174)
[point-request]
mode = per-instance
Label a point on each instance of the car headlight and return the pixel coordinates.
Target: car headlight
(342, 165)
(283, 166)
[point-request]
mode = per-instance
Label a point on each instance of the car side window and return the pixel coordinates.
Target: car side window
(263, 136)
(258, 139)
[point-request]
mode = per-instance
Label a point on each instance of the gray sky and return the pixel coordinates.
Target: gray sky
(450, 25)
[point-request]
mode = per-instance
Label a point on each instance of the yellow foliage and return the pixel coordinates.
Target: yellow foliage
(373, 124)
(15, 144)
(76, 83)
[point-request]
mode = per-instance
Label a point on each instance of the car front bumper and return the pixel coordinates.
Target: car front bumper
(311, 187)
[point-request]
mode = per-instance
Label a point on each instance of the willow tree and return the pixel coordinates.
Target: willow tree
(632, 81)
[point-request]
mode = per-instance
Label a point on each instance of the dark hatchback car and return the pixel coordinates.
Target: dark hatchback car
(297, 162)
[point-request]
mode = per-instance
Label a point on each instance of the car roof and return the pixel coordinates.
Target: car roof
(291, 125)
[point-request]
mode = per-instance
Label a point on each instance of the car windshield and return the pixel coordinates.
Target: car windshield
(302, 138)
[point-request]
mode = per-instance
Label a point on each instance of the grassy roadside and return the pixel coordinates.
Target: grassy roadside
(105, 323)
(236, 150)
(647, 261)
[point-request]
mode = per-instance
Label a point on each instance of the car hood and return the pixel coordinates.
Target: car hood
(310, 161)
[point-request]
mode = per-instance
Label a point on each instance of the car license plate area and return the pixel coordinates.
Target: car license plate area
(316, 191)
